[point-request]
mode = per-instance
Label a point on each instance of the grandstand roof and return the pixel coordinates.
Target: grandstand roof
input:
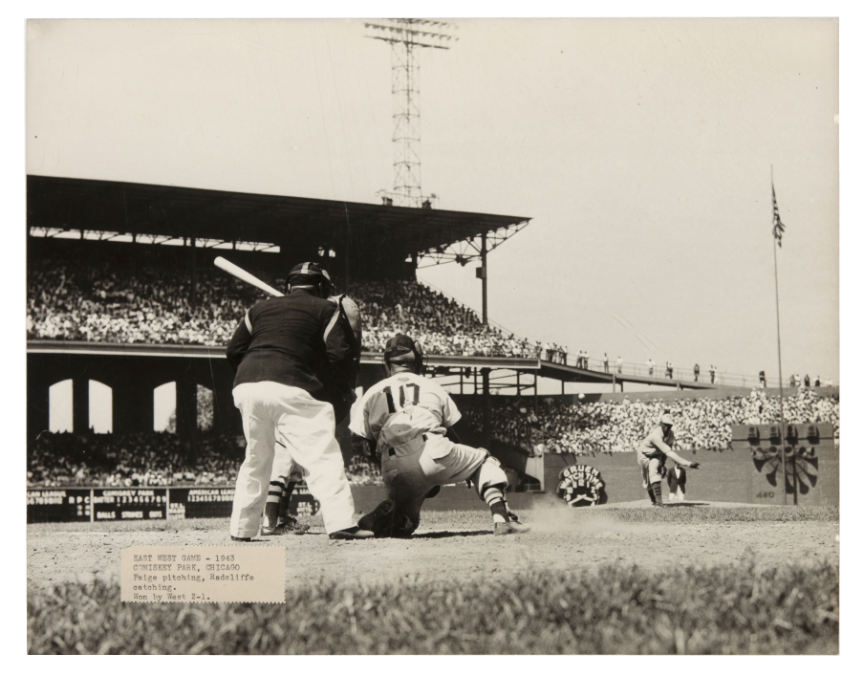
(70, 204)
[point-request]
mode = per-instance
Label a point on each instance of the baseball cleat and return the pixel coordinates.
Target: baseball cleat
(245, 539)
(288, 526)
(354, 533)
(512, 527)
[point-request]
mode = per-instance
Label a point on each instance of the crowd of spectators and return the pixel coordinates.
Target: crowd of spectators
(553, 425)
(440, 324)
(107, 303)
(591, 427)
(156, 304)
(146, 459)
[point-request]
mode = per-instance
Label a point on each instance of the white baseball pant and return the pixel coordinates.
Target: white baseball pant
(650, 466)
(306, 427)
(433, 460)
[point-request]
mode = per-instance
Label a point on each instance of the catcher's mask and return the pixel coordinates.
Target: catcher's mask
(401, 349)
(310, 275)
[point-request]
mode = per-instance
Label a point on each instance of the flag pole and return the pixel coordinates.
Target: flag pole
(779, 360)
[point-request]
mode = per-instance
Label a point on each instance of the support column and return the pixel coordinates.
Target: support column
(81, 404)
(132, 407)
(487, 436)
(187, 406)
(483, 278)
(226, 417)
(37, 407)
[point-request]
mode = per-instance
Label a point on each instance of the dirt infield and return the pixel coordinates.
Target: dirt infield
(451, 544)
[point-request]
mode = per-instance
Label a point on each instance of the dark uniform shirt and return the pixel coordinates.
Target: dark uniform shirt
(293, 341)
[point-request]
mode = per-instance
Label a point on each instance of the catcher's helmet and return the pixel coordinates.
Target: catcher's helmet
(310, 274)
(402, 349)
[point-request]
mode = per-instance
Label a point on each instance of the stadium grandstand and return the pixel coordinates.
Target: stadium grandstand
(121, 290)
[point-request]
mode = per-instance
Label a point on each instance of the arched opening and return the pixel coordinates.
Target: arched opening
(60, 406)
(101, 416)
(165, 407)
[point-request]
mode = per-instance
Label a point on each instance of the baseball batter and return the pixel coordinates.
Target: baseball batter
(651, 454)
(286, 473)
(290, 359)
(407, 420)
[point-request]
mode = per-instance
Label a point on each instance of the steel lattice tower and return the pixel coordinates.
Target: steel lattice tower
(406, 36)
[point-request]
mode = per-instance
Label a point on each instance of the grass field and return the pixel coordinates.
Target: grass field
(625, 580)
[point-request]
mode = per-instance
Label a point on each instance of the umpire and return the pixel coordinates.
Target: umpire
(292, 355)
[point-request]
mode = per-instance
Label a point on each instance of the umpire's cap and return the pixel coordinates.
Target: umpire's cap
(310, 274)
(666, 419)
(402, 348)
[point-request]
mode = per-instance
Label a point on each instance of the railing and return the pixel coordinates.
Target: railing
(684, 375)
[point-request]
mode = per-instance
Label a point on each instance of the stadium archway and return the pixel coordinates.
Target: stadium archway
(60, 407)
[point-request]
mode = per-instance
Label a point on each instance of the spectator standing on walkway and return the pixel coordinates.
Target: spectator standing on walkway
(619, 364)
(762, 382)
(696, 372)
(605, 363)
(650, 366)
(712, 372)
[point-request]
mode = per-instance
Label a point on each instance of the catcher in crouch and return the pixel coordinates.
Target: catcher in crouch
(406, 419)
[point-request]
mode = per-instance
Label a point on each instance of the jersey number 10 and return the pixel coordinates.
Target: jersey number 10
(415, 397)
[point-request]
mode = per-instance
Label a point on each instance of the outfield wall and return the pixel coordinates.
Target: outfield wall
(730, 476)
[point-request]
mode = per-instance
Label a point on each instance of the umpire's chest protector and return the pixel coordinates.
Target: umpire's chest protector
(287, 342)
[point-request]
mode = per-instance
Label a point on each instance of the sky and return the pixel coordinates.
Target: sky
(642, 152)
(641, 149)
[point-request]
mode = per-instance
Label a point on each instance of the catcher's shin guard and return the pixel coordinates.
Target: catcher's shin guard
(489, 474)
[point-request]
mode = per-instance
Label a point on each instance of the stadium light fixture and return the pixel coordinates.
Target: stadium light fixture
(405, 37)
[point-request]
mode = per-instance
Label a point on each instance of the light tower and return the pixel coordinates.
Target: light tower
(405, 37)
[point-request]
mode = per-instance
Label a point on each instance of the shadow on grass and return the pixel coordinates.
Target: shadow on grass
(685, 504)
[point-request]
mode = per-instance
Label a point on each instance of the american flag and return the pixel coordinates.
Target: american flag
(778, 224)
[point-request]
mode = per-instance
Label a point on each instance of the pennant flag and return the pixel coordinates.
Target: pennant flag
(779, 228)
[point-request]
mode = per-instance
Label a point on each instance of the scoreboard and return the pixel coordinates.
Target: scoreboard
(99, 504)
(59, 505)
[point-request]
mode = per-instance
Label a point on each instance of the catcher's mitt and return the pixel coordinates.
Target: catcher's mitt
(387, 521)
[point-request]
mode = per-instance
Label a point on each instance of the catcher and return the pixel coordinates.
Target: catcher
(651, 454)
(406, 419)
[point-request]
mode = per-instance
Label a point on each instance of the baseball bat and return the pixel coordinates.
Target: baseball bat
(245, 275)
